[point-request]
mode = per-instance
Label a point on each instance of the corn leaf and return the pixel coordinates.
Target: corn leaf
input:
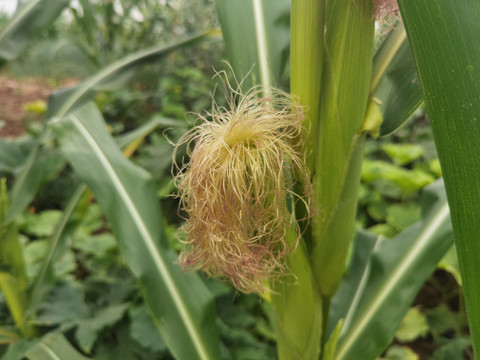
(395, 87)
(28, 21)
(181, 305)
(396, 270)
(444, 39)
(257, 35)
(54, 346)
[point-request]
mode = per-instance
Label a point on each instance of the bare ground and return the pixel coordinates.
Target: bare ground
(14, 94)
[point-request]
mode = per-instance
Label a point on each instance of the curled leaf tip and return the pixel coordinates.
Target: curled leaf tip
(237, 188)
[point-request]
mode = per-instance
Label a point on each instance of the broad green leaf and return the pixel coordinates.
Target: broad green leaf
(452, 349)
(397, 352)
(441, 319)
(36, 251)
(397, 269)
(97, 245)
(401, 216)
(94, 244)
(405, 179)
(27, 22)
(40, 224)
(349, 34)
(66, 303)
(395, 85)
(61, 102)
(54, 346)
(256, 35)
(181, 305)
(88, 329)
(402, 154)
(446, 48)
(413, 325)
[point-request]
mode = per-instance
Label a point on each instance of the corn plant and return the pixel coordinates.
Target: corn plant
(271, 186)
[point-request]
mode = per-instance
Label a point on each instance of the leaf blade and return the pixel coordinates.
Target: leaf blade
(28, 21)
(118, 186)
(448, 63)
(396, 271)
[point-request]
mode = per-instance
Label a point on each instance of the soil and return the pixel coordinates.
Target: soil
(15, 94)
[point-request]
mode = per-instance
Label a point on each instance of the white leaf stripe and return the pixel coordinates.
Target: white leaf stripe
(49, 352)
(158, 260)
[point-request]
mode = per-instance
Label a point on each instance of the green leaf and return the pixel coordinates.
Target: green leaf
(401, 217)
(448, 65)
(97, 245)
(17, 350)
(413, 326)
(407, 180)
(397, 269)
(441, 320)
(180, 303)
(27, 22)
(54, 346)
(256, 35)
(400, 353)
(65, 305)
(384, 230)
(37, 251)
(88, 329)
(40, 224)
(452, 349)
(403, 154)
(398, 90)
(143, 330)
